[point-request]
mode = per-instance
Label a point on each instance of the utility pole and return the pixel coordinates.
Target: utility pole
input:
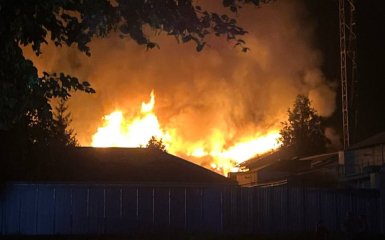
(348, 70)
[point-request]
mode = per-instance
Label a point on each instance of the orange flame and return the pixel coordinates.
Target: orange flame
(117, 131)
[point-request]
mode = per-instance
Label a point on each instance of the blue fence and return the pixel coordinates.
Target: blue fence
(108, 209)
(283, 209)
(41, 209)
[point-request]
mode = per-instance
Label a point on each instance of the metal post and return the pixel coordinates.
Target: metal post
(2, 230)
(88, 210)
(71, 211)
(54, 210)
(344, 84)
(169, 206)
(249, 209)
(185, 208)
(288, 225)
(202, 203)
(153, 206)
(88, 200)
(36, 207)
(221, 230)
(137, 203)
(121, 203)
(104, 209)
(304, 209)
(336, 216)
(19, 215)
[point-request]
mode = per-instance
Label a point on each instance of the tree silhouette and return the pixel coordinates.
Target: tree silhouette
(155, 143)
(303, 131)
(62, 134)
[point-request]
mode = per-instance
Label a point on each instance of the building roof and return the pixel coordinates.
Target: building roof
(136, 165)
(374, 140)
(268, 159)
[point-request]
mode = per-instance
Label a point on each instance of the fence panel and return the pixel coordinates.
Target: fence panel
(146, 208)
(12, 210)
(372, 214)
(262, 196)
(113, 206)
(45, 195)
(328, 210)
(212, 209)
(195, 210)
(63, 208)
(28, 211)
(296, 211)
(279, 209)
(161, 209)
(123, 209)
(95, 223)
(130, 208)
(312, 216)
(79, 209)
(244, 208)
(178, 209)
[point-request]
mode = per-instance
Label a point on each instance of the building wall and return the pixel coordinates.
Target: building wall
(248, 178)
(362, 166)
(364, 158)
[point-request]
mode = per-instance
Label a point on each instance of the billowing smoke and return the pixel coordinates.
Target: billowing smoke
(219, 89)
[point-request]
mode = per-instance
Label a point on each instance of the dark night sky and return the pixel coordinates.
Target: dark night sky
(370, 19)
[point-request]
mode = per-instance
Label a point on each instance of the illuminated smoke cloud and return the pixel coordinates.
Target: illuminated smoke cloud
(217, 91)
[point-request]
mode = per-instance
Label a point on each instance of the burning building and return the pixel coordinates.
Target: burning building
(119, 131)
(216, 108)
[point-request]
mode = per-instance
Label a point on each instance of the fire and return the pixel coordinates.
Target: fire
(119, 131)
(247, 148)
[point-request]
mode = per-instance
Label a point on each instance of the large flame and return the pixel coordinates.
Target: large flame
(119, 131)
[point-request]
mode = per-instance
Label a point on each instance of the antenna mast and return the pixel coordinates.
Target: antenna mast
(348, 39)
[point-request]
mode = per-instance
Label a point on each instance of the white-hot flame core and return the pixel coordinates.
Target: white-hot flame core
(117, 131)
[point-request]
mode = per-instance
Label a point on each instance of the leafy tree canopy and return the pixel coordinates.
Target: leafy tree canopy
(155, 143)
(303, 131)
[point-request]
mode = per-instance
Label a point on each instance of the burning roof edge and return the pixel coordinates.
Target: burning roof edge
(269, 158)
(284, 155)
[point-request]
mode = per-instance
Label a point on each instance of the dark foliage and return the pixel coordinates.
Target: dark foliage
(62, 134)
(303, 131)
(155, 143)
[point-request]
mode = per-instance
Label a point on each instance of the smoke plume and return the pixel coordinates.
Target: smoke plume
(220, 90)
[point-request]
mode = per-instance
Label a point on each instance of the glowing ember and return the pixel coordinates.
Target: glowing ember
(117, 131)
